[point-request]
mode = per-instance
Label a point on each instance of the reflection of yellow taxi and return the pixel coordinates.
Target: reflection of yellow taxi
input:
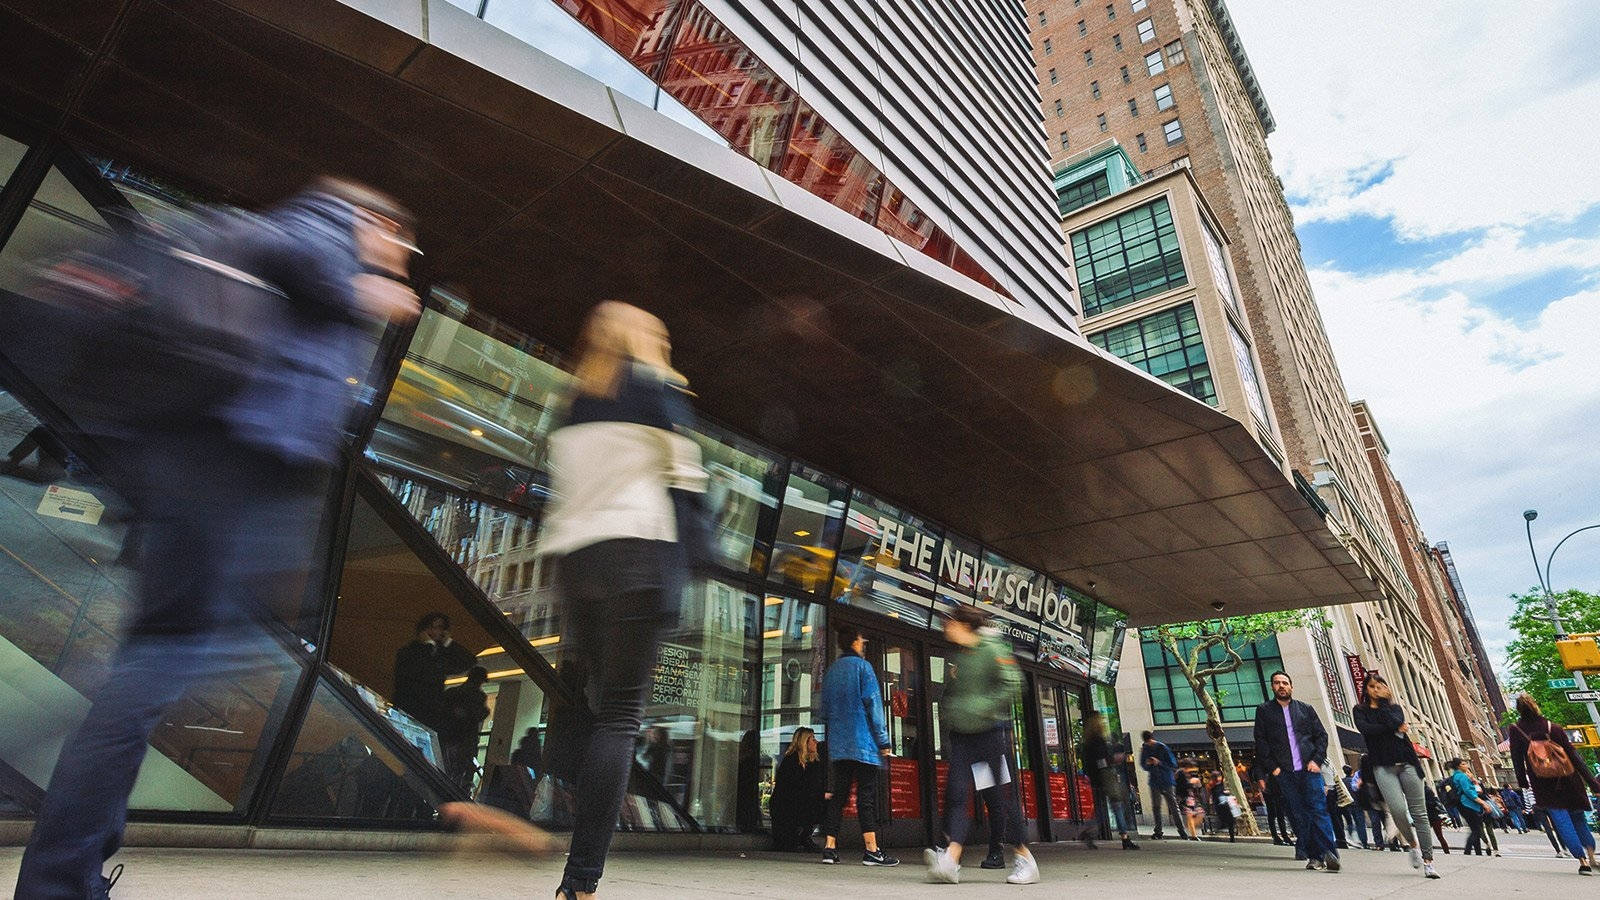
(804, 566)
(431, 403)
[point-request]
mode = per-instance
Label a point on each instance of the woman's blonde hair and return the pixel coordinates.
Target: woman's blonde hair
(801, 748)
(615, 335)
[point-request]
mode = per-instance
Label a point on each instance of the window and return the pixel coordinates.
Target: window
(1164, 97)
(1083, 28)
(1175, 53)
(1064, 144)
(1247, 373)
(1047, 48)
(1127, 258)
(1060, 110)
(1173, 131)
(1116, 41)
(1053, 78)
(1138, 5)
(1172, 702)
(1088, 57)
(1168, 345)
(1101, 121)
(1139, 139)
(1153, 64)
(1219, 267)
(1094, 90)
(1133, 107)
(1041, 19)
(1082, 193)
(1125, 78)
(1147, 31)
(1111, 10)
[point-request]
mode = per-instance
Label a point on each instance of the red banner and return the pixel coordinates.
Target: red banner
(1358, 674)
(905, 789)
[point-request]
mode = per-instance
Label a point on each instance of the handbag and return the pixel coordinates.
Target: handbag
(1343, 793)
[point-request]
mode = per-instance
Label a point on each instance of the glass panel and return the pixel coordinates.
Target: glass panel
(636, 29)
(1127, 258)
(56, 220)
(1067, 622)
(960, 565)
(1083, 793)
(904, 221)
(808, 530)
(887, 561)
(737, 494)
(715, 76)
(470, 411)
(1167, 344)
(10, 155)
(901, 674)
(1110, 624)
(823, 162)
(340, 770)
(793, 657)
(1082, 193)
(1014, 594)
(1060, 752)
(1247, 373)
(699, 737)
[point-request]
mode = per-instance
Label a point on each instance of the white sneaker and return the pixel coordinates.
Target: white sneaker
(941, 868)
(1416, 857)
(1428, 871)
(1024, 870)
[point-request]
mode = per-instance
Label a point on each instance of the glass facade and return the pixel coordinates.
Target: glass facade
(442, 515)
(1238, 693)
(1168, 345)
(1129, 257)
(1077, 196)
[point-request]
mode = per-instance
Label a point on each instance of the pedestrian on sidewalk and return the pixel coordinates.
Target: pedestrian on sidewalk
(1272, 798)
(1436, 817)
(1511, 799)
(1355, 815)
(1292, 738)
(224, 499)
(1545, 760)
(797, 789)
(1492, 815)
(1161, 766)
(1467, 804)
(1105, 767)
(1395, 769)
(858, 746)
(977, 705)
(1224, 806)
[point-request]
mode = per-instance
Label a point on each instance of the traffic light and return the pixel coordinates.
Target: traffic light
(1579, 653)
(1583, 736)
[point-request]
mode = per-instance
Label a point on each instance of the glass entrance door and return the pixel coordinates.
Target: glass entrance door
(1068, 793)
(902, 804)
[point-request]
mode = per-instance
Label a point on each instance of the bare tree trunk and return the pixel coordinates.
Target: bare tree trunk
(1245, 823)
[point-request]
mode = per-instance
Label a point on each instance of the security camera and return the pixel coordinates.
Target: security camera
(1217, 605)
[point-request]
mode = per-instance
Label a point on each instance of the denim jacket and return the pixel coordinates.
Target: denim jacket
(852, 708)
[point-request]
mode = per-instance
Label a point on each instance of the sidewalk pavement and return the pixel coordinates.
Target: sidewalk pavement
(1163, 869)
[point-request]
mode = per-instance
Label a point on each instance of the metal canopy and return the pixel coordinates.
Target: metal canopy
(541, 192)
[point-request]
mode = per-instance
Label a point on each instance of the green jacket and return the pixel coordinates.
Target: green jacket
(985, 685)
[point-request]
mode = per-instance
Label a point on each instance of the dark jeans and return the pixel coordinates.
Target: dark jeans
(1277, 816)
(1169, 797)
(993, 749)
(614, 598)
(1355, 819)
(1306, 798)
(227, 533)
(843, 774)
(1474, 832)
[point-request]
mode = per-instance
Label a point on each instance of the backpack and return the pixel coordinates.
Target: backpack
(1546, 758)
(1449, 794)
(156, 324)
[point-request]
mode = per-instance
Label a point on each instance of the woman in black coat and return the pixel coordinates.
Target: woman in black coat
(1564, 798)
(797, 789)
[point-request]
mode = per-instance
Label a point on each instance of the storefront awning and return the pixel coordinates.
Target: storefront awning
(541, 192)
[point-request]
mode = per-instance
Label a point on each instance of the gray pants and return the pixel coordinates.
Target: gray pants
(1401, 788)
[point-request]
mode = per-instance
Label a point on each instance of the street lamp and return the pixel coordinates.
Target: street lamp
(1549, 597)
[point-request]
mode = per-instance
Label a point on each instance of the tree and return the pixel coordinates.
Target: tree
(1189, 644)
(1532, 658)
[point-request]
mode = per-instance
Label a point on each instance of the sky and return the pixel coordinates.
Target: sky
(1443, 163)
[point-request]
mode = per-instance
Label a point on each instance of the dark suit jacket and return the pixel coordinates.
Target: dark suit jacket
(1272, 738)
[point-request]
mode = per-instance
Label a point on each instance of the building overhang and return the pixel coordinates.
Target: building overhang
(541, 192)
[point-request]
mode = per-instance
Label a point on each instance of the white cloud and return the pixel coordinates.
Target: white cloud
(1481, 114)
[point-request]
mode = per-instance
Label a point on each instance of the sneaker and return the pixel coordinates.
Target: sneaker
(1428, 871)
(107, 882)
(1331, 862)
(1024, 870)
(878, 858)
(995, 860)
(1313, 864)
(830, 856)
(1128, 844)
(1584, 869)
(1416, 858)
(1157, 836)
(941, 868)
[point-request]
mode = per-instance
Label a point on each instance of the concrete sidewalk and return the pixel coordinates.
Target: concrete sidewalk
(1164, 869)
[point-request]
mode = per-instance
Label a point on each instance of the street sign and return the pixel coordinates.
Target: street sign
(1583, 696)
(1563, 684)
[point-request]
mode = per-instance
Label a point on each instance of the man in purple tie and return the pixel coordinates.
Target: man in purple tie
(1292, 742)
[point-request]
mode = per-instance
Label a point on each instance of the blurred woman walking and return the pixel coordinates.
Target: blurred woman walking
(1396, 770)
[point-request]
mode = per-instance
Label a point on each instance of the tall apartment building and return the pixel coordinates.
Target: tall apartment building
(1169, 81)
(1473, 661)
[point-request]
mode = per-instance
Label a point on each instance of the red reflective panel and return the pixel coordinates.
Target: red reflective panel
(903, 220)
(823, 162)
(637, 29)
(713, 74)
(969, 267)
